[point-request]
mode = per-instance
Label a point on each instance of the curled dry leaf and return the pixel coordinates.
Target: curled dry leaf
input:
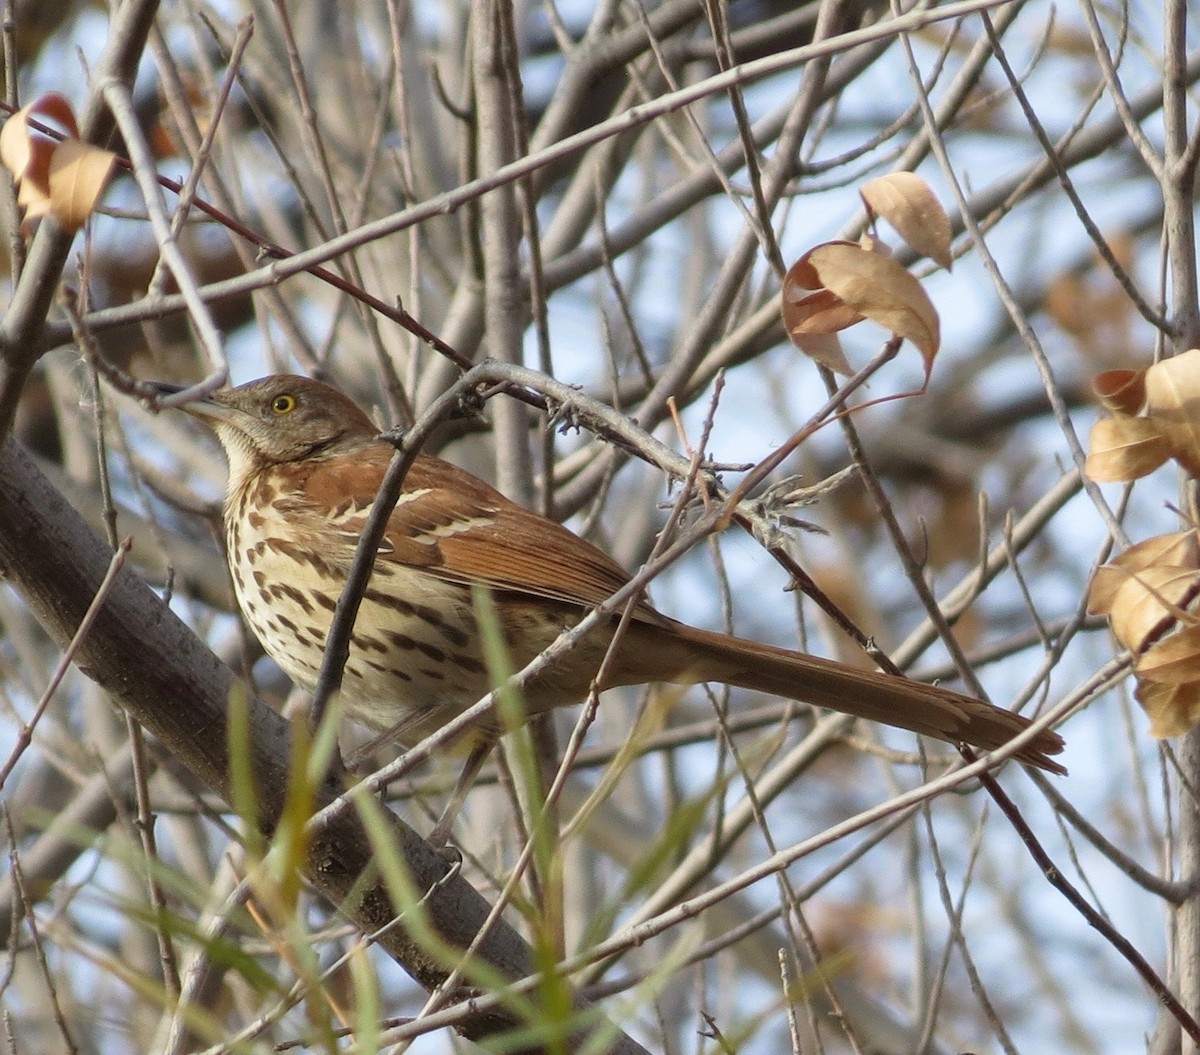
(1148, 593)
(1121, 391)
(908, 203)
(838, 284)
(63, 178)
(27, 154)
(1149, 601)
(1172, 709)
(1178, 550)
(78, 175)
(875, 286)
(813, 316)
(1124, 448)
(826, 349)
(1173, 402)
(1167, 394)
(1173, 661)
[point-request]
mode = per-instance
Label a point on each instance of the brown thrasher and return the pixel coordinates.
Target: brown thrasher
(305, 464)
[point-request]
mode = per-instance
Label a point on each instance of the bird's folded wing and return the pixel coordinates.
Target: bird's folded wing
(450, 524)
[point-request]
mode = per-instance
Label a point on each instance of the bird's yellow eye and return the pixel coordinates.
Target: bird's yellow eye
(283, 404)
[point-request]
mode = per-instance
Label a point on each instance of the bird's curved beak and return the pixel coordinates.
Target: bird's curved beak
(209, 408)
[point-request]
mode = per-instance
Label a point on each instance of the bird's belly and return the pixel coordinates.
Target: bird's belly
(415, 656)
(414, 651)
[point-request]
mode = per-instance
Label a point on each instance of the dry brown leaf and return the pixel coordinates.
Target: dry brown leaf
(908, 203)
(813, 316)
(1173, 661)
(874, 285)
(78, 175)
(1088, 303)
(1122, 449)
(1172, 709)
(952, 533)
(1146, 591)
(29, 162)
(819, 312)
(825, 349)
(1180, 549)
(20, 142)
(870, 244)
(1173, 403)
(1150, 601)
(1066, 303)
(1121, 391)
(61, 178)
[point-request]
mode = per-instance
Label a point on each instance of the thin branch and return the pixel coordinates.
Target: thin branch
(1068, 185)
(25, 734)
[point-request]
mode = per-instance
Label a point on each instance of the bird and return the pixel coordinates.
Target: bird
(305, 465)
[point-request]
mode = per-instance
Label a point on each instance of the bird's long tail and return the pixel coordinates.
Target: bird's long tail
(699, 655)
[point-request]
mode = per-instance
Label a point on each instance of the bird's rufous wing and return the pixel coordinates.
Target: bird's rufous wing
(451, 524)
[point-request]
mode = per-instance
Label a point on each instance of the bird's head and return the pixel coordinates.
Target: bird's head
(281, 418)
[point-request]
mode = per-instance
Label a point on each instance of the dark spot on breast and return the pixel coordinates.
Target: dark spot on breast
(468, 663)
(303, 555)
(285, 590)
(412, 644)
(387, 600)
(265, 491)
(400, 640)
(391, 672)
(368, 643)
(454, 634)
